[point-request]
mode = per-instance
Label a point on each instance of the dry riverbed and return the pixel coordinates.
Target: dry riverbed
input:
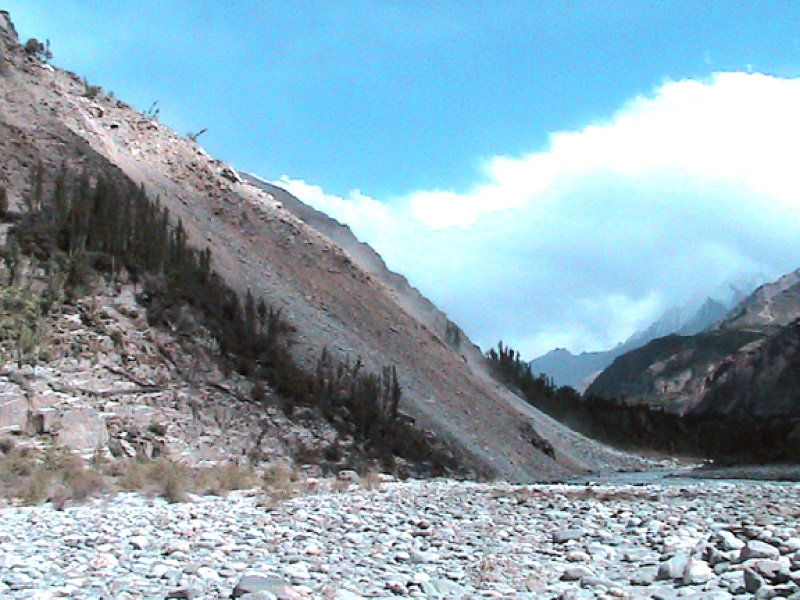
(427, 539)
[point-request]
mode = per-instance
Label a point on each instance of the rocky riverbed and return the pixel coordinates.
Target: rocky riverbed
(433, 539)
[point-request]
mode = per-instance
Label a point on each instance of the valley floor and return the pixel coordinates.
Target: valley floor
(434, 539)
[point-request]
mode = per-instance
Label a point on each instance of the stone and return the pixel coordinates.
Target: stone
(140, 542)
(643, 577)
(576, 573)
(259, 583)
(697, 572)
(348, 475)
(104, 560)
(184, 594)
(347, 595)
(566, 535)
(728, 541)
(752, 581)
(772, 571)
(577, 556)
(673, 568)
(758, 549)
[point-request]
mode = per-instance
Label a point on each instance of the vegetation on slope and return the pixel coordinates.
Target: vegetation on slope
(87, 228)
(741, 436)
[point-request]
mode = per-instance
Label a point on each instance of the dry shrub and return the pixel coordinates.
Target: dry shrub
(35, 477)
(280, 483)
(230, 476)
(371, 479)
(131, 474)
(168, 479)
(172, 478)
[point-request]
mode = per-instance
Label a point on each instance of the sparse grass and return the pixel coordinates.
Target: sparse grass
(174, 480)
(33, 477)
(280, 483)
(224, 478)
(371, 480)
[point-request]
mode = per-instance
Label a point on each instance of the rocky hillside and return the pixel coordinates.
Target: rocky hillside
(677, 371)
(335, 294)
(732, 388)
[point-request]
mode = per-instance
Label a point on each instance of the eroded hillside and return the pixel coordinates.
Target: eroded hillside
(54, 121)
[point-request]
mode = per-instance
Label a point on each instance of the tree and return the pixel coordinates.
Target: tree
(36, 48)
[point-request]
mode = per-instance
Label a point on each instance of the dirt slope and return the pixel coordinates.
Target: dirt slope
(332, 295)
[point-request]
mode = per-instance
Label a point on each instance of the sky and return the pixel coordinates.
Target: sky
(550, 173)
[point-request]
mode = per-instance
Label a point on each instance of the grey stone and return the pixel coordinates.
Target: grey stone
(566, 535)
(672, 568)
(259, 583)
(347, 595)
(644, 576)
(697, 572)
(752, 581)
(728, 541)
(758, 549)
(184, 594)
(576, 573)
(773, 571)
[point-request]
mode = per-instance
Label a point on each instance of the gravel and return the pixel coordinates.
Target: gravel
(424, 539)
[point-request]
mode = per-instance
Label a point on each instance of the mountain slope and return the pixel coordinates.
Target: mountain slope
(744, 368)
(330, 294)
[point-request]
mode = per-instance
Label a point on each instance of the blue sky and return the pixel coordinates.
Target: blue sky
(486, 148)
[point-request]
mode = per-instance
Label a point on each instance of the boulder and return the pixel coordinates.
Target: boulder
(13, 410)
(82, 430)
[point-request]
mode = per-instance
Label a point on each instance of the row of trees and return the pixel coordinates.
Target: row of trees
(645, 428)
(101, 227)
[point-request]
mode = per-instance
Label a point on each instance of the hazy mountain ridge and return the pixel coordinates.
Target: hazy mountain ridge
(741, 365)
(580, 370)
(55, 120)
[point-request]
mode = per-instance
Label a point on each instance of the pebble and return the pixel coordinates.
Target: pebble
(434, 539)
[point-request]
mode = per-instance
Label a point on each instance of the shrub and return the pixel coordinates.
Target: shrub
(36, 48)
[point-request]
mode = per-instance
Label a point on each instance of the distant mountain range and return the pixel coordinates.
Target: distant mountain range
(579, 370)
(745, 364)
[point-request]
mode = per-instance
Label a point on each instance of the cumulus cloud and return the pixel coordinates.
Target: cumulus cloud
(592, 237)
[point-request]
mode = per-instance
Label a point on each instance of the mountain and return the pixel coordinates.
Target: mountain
(335, 293)
(742, 374)
(675, 371)
(575, 370)
(580, 370)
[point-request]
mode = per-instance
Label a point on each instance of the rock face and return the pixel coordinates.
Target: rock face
(335, 293)
(113, 385)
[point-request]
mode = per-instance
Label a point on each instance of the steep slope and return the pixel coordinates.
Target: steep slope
(53, 119)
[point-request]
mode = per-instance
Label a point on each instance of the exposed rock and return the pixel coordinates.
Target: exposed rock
(82, 430)
(758, 549)
(13, 409)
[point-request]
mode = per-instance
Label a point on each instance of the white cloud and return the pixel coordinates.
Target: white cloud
(589, 239)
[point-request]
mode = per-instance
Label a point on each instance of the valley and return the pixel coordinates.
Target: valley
(209, 389)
